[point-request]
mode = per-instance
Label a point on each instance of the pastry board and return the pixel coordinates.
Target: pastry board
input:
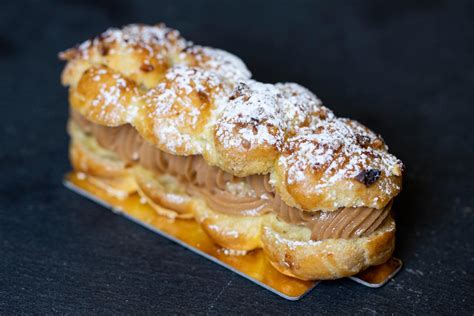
(253, 266)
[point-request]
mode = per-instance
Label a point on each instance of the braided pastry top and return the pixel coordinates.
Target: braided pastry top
(193, 100)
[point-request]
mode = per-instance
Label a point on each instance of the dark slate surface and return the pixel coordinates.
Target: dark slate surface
(404, 68)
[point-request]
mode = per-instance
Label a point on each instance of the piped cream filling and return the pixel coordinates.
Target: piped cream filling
(226, 193)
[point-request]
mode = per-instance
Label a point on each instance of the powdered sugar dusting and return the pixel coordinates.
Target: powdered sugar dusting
(173, 108)
(299, 106)
(206, 87)
(224, 64)
(111, 102)
(174, 139)
(263, 114)
(190, 79)
(339, 148)
(252, 116)
(156, 40)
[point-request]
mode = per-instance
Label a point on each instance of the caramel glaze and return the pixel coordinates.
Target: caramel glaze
(226, 193)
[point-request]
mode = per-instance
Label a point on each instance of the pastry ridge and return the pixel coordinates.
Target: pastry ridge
(188, 99)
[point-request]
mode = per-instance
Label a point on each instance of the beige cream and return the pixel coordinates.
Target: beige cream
(228, 194)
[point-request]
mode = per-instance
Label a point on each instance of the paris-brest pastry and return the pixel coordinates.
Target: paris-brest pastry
(256, 165)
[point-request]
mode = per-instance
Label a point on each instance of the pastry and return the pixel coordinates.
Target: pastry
(257, 165)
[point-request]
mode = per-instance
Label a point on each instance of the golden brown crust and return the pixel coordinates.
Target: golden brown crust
(107, 101)
(288, 247)
(292, 253)
(144, 59)
(103, 168)
(190, 100)
(164, 194)
(231, 232)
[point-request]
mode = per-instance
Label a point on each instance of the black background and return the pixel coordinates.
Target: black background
(404, 68)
